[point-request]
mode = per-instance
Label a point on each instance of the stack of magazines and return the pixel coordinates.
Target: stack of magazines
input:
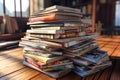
(91, 62)
(58, 40)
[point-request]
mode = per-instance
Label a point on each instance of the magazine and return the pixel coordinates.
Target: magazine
(87, 70)
(95, 56)
(57, 65)
(54, 74)
(45, 60)
(80, 61)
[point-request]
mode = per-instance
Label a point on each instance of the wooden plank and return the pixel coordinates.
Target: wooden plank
(22, 74)
(10, 51)
(116, 53)
(11, 59)
(71, 76)
(10, 63)
(102, 44)
(115, 40)
(90, 77)
(14, 54)
(109, 48)
(26, 75)
(10, 56)
(116, 37)
(4, 55)
(113, 43)
(8, 69)
(7, 77)
(116, 72)
(42, 76)
(106, 74)
(97, 75)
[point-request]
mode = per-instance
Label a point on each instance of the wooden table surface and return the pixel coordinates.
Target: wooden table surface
(111, 45)
(11, 67)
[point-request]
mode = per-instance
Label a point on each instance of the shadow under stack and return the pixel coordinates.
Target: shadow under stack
(59, 42)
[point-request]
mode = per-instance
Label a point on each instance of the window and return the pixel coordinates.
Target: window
(25, 8)
(15, 8)
(117, 13)
(9, 7)
(18, 8)
(1, 7)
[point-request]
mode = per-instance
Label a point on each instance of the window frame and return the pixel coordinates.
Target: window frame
(15, 15)
(115, 22)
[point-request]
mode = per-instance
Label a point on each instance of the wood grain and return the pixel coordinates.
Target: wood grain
(11, 67)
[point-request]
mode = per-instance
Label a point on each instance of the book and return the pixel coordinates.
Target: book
(58, 24)
(56, 12)
(55, 36)
(54, 22)
(33, 62)
(42, 52)
(54, 74)
(50, 42)
(34, 27)
(80, 51)
(44, 43)
(62, 8)
(53, 17)
(52, 31)
(97, 66)
(42, 48)
(33, 44)
(47, 25)
(45, 60)
(43, 65)
(82, 44)
(74, 38)
(60, 67)
(46, 31)
(78, 48)
(57, 8)
(41, 44)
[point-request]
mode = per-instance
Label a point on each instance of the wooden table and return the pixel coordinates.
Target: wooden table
(111, 45)
(11, 67)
